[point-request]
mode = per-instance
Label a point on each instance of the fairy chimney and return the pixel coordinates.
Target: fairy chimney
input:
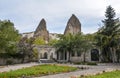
(42, 31)
(73, 26)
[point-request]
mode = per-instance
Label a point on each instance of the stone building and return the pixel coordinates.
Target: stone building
(48, 52)
(28, 35)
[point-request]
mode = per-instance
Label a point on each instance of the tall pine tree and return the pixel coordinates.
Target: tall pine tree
(109, 34)
(109, 21)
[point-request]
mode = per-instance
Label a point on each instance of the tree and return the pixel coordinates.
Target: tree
(87, 44)
(108, 35)
(64, 44)
(74, 43)
(52, 42)
(9, 37)
(22, 47)
(39, 41)
(26, 48)
(35, 54)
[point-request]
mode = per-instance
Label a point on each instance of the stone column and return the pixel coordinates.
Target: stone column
(67, 56)
(63, 55)
(59, 55)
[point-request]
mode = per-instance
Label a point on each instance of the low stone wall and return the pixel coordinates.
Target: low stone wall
(7, 61)
(81, 58)
(76, 59)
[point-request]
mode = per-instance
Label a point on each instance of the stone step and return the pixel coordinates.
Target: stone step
(46, 61)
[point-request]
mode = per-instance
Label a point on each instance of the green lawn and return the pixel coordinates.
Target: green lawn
(114, 74)
(37, 71)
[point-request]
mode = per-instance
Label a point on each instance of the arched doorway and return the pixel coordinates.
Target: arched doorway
(45, 55)
(94, 55)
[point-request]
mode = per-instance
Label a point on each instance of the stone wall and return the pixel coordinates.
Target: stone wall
(28, 35)
(53, 36)
(4, 61)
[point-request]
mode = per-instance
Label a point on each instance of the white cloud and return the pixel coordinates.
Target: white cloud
(26, 14)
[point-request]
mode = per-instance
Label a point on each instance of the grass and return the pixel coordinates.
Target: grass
(113, 74)
(39, 70)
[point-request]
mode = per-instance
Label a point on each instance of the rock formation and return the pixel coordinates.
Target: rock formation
(41, 31)
(73, 26)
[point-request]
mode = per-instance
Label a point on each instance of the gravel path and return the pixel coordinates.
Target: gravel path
(91, 71)
(17, 66)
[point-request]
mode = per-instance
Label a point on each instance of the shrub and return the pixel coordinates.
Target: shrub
(80, 63)
(86, 63)
(9, 61)
(91, 63)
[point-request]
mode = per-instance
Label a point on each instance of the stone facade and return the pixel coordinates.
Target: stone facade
(49, 52)
(28, 35)
(46, 52)
(53, 36)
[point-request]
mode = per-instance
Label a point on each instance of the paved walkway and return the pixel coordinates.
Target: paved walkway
(91, 71)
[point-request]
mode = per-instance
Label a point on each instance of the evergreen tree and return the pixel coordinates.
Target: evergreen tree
(108, 35)
(109, 22)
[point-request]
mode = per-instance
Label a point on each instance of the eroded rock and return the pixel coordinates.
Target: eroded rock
(73, 25)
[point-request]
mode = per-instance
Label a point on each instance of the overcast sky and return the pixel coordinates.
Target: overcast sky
(26, 14)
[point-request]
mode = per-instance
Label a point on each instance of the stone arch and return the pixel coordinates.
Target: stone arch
(94, 55)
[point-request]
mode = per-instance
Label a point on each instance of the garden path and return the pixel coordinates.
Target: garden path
(16, 66)
(91, 71)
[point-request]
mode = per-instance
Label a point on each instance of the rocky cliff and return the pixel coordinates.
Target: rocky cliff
(73, 25)
(41, 31)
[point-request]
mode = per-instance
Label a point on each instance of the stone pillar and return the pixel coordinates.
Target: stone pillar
(39, 57)
(67, 56)
(63, 55)
(100, 57)
(59, 55)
